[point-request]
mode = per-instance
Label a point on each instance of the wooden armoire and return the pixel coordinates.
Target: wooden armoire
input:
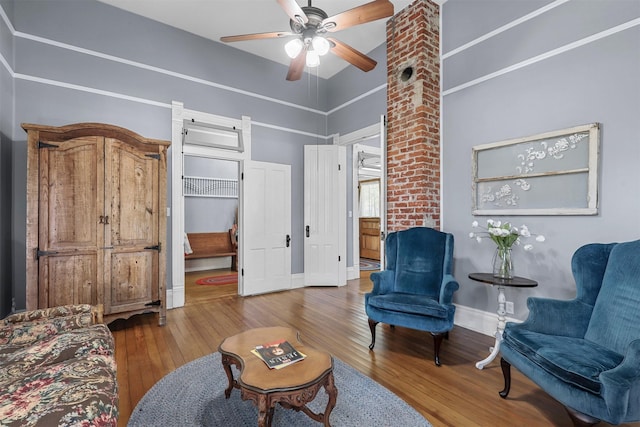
(96, 219)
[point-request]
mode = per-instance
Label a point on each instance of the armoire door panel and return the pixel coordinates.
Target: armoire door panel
(72, 195)
(131, 196)
(132, 277)
(70, 279)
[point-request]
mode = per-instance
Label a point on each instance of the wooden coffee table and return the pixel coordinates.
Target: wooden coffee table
(292, 386)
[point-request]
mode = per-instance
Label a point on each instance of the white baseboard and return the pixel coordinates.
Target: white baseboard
(297, 281)
(483, 322)
(175, 299)
(353, 273)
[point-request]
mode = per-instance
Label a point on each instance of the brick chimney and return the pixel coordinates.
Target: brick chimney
(413, 117)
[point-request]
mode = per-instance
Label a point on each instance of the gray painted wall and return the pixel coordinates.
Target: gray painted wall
(205, 214)
(354, 113)
(114, 83)
(6, 125)
(90, 62)
(594, 82)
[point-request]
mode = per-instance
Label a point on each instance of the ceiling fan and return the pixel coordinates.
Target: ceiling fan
(309, 34)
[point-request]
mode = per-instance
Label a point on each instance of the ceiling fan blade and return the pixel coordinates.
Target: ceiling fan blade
(294, 11)
(297, 66)
(256, 36)
(351, 55)
(368, 12)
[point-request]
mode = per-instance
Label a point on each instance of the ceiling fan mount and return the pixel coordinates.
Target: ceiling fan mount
(308, 22)
(315, 16)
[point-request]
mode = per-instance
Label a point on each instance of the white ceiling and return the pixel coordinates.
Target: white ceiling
(213, 19)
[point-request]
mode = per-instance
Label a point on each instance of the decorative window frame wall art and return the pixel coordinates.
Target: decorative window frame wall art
(553, 173)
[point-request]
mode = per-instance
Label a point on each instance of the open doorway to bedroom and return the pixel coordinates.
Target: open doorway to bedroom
(368, 208)
(211, 227)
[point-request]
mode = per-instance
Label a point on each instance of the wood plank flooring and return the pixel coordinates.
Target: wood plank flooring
(456, 394)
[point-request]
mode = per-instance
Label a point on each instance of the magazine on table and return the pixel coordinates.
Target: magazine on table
(278, 354)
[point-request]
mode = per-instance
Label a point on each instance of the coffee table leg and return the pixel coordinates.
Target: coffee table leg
(226, 364)
(265, 411)
(332, 392)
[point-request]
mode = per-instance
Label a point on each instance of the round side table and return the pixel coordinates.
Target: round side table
(515, 282)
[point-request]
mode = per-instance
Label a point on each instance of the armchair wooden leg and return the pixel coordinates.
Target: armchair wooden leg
(506, 373)
(437, 341)
(372, 326)
(581, 420)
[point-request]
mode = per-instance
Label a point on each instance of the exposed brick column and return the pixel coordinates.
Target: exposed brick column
(413, 117)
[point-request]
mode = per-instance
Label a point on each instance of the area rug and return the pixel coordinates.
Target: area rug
(369, 264)
(218, 280)
(193, 395)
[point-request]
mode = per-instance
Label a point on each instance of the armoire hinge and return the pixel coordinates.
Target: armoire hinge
(154, 156)
(153, 248)
(40, 253)
(46, 145)
(152, 303)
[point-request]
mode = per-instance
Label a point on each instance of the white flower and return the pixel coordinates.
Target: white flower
(504, 234)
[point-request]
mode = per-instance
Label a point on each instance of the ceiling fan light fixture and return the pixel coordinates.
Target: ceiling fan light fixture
(313, 60)
(320, 45)
(293, 48)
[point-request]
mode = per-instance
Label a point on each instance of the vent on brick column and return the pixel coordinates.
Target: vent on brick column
(406, 74)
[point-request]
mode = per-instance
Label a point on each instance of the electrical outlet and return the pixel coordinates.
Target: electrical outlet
(509, 307)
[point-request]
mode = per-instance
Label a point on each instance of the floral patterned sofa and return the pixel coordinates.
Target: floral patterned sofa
(57, 368)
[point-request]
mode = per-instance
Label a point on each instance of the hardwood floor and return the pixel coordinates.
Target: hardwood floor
(456, 394)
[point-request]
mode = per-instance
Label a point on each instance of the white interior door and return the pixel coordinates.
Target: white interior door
(267, 228)
(324, 215)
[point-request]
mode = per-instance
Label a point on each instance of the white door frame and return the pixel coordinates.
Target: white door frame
(176, 295)
(352, 139)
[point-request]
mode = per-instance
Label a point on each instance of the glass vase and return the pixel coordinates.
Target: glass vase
(503, 263)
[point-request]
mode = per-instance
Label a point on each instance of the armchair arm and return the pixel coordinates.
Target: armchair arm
(382, 282)
(449, 286)
(45, 314)
(566, 318)
(621, 385)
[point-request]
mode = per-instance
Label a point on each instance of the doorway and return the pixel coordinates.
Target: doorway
(203, 135)
(368, 146)
(211, 190)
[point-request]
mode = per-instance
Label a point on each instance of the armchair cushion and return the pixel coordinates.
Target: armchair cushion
(573, 360)
(409, 303)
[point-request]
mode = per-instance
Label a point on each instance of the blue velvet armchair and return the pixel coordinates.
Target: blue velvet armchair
(416, 288)
(585, 352)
